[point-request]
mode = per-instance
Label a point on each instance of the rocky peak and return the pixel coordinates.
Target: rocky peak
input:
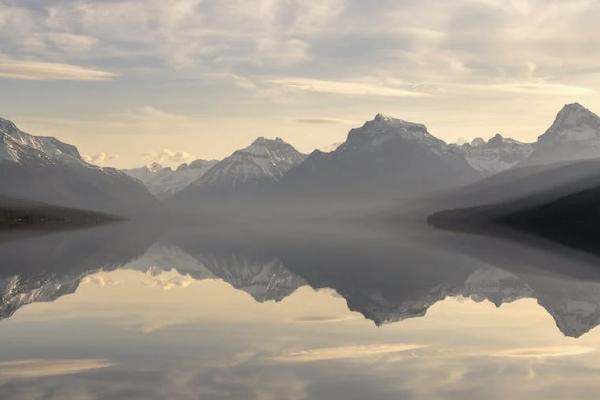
(497, 140)
(573, 123)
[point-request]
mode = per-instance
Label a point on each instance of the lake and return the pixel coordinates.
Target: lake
(295, 311)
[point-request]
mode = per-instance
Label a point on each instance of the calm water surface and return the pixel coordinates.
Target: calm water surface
(318, 312)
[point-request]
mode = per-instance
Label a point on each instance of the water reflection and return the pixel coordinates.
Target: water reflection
(241, 313)
(386, 276)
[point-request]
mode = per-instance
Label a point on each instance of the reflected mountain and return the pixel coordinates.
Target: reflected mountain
(44, 268)
(263, 278)
(385, 275)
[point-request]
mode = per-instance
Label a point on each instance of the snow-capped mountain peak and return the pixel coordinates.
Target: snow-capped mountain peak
(574, 122)
(574, 135)
(384, 157)
(18, 146)
(44, 168)
(7, 126)
(382, 129)
(265, 160)
(396, 122)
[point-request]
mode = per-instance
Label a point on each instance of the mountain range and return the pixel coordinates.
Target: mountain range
(386, 158)
(544, 194)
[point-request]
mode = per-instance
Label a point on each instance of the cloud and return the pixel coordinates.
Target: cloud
(38, 368)
(168, 157)
(345, 87)
(233, 79)
(182, 33)
(99, 158)
(270, 60)
(51, 71)
(543, 88)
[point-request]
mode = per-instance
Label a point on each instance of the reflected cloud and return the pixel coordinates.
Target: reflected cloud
(167, 280)
(545, 352)
(38, 368)
(346, 352)
(325, 318)
(99, 280)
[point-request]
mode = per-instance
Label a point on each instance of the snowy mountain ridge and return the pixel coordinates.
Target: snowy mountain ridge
(264, 160)
(17, 146)
(383, 128)
(164, 182)
(573, 123)
(496, 155)
(384, 157)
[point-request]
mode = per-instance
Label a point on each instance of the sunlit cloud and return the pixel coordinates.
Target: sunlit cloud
(99, 158)
(38, 368)
(318, 121)
(345, 88)
(346, 352)
(543, 88)
(232, 79)
(168, 157)
(51, 71)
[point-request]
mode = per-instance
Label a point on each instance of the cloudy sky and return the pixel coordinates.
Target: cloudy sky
(131, 81)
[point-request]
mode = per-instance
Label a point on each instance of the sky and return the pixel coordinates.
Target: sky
(135, 81)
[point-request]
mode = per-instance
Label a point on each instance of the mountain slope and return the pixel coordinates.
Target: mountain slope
(572, 220)
(16, 213)
(46, 169)
(164, 182)
(386, 156)
(574, 135)
(511, 192)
